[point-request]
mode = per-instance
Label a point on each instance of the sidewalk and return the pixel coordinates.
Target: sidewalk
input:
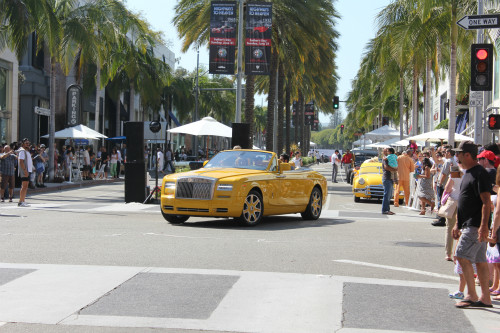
(54, 187)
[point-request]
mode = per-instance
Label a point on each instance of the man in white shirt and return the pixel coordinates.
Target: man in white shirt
(159, 159)
(25, 169)
(335, 165)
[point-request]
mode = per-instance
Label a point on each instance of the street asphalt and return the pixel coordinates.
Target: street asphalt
(81, 260)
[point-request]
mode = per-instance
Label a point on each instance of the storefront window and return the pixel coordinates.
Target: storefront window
(4, 113)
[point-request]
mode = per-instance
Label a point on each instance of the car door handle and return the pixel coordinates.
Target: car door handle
(281, 176)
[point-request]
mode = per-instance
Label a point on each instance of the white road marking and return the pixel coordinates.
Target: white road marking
(401, 269)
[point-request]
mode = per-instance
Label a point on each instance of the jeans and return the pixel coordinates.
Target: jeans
(335, 172)
(386, 201)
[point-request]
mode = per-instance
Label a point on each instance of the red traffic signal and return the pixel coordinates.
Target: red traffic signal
(481, 78)
(342, 129)
(494, 121)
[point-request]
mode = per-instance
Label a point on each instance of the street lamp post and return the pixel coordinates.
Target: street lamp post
(240, 67)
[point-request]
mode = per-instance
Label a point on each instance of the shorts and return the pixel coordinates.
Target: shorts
(468, 246)
(27, 178)
(8, 180)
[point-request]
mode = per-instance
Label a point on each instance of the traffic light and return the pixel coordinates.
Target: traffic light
(342, 129)
(494, 121)
(481, 74)
(335, 102)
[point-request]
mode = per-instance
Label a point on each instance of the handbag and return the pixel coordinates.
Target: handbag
(448, 209)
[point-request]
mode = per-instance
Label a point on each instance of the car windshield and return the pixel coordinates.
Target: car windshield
(240, 159)
(370, 169)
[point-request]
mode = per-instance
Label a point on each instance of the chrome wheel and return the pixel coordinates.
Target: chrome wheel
(253, 209)
(313, 210)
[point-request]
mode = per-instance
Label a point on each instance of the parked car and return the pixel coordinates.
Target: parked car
(243, 184)
(359, 157)
(368, 182)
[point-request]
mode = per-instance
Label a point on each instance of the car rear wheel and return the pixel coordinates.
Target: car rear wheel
(175, 219)
(313, 210)
(253, 209)
(357, 199)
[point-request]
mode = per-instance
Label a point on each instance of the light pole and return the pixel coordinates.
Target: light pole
(240, 67)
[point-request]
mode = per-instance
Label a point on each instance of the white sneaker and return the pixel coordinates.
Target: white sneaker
(24, 204)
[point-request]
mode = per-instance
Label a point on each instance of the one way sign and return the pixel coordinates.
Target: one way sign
(471, 22)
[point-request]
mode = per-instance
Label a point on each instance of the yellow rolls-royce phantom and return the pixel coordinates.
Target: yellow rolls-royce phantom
(243, 184)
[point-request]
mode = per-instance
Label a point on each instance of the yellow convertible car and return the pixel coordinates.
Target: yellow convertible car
(244, 184)
(367, 182)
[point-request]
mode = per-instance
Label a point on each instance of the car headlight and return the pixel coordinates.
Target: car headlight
(361, 181)
(170, 185)
(224, 187)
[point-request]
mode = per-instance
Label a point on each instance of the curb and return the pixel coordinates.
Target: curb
(55, 187)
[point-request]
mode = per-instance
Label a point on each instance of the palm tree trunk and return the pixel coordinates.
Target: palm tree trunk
(117, 118)
(453, 76)
(401, 107)
(297, 125)
(132, 103)
(287, 120)
(250, 103)
(97, 97)
(414, 116)
(300, 107)
(281, 80)
(270, 102)
(52, 120)
(427, 106)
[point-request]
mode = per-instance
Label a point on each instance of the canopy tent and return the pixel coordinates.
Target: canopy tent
(383, 133)
(117, 139)
(362, 142)
(206, 126)
(438, 136)
(394, 142)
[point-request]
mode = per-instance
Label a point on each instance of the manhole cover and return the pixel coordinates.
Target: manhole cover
(418, 244)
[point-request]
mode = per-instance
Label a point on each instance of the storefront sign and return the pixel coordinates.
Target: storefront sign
(73, 105)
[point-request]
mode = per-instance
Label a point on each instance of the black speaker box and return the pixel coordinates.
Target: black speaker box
(134, 131)
(241, 136)
(135, 182)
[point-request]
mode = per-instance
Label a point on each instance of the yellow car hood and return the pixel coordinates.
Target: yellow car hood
(217, 173)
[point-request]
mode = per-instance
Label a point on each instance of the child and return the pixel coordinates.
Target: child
(392, 160)
(459, 294)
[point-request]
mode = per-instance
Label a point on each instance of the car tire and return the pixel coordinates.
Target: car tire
(357, 199)
(313, 209)
(175, 219)
(253, 209)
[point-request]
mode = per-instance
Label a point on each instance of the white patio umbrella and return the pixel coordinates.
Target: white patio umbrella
(383, 133)
(438, 136)
(206, 126)
(71, 133)
(89, 131)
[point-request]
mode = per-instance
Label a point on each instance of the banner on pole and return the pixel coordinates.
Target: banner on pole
(223, 26)
(258, 38)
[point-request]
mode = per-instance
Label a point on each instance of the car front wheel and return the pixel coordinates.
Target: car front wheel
(313, 210)
(175, 219)
(253, 209)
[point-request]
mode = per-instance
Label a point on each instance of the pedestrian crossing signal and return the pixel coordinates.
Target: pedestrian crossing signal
(494, 121)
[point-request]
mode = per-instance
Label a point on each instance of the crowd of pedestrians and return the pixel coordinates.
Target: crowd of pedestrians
(25, 165)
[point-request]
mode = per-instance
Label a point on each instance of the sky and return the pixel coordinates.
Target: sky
(356, 27)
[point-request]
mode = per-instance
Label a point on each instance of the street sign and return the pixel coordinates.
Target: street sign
(470, 22)
(475, 99)
(42, 111)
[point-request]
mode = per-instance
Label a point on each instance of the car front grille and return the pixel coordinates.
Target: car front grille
(194, 188)
(375, 190)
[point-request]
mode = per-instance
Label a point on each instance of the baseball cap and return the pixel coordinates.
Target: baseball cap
(42, 146)
(467, 147)
(488, 155)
